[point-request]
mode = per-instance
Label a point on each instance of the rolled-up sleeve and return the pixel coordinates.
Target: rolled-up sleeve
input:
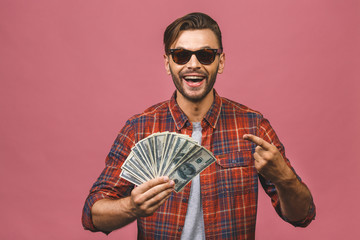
(267, 133)
(109, 184)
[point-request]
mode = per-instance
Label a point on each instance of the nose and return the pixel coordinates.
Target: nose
(193, 62)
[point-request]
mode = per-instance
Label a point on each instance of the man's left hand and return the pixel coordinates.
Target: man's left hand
(268, 160)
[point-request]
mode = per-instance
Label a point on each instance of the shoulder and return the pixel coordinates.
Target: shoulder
(152, 112)
(238, 109)
(143, 124)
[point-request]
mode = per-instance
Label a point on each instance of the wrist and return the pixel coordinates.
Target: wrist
(129, 207)
(287, 179)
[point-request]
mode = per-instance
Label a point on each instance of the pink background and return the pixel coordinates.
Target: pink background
(72, 72)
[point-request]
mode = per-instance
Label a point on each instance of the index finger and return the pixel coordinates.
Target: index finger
(153, 183)
(258, 141)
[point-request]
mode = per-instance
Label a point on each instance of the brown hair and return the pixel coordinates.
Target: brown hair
(190, 21)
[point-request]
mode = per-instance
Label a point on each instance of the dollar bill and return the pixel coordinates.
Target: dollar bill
(129, 177)
(166, 154)
(179, 142)
(185, 151)
(158, 140)
(144, 149)
(133, 165)
(194, 165)
(141, 156)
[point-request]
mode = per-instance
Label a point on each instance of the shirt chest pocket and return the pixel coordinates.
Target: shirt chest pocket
(236, 172)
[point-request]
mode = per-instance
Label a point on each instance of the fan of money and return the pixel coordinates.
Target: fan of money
(170, 154)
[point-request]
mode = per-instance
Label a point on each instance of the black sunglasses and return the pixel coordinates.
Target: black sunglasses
(205, 56)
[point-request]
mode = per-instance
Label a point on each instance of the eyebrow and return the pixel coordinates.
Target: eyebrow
(205, 47)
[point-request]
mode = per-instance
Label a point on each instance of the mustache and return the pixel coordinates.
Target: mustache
(182, 73)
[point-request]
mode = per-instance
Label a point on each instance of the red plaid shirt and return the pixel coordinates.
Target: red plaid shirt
(229, 187)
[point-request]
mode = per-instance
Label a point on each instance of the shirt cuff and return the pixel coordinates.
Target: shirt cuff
(305, 222)
(86, 215)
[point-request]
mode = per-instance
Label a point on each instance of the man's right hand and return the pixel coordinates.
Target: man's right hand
(149, 196)
(110, 214)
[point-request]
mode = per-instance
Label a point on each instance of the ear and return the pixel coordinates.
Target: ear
(221, 63)
(167, 66)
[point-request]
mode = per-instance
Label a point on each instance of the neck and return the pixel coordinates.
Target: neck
(195, 111)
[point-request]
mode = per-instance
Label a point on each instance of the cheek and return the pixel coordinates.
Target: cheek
(210, 69)
(175, 70)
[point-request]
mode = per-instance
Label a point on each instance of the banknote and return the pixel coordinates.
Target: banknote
(133, 165)
(194, 165)
(171, 154)
(129, 177)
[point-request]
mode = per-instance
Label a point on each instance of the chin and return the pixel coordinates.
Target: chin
(195, 97)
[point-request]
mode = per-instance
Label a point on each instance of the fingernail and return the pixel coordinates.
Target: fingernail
(172, 183)
(166, 178)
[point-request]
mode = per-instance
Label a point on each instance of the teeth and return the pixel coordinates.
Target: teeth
(193, 78)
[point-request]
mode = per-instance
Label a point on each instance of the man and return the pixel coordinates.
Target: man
(221, 202)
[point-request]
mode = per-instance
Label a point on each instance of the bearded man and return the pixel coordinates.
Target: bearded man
(221, 201)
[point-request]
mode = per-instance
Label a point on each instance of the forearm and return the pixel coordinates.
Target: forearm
(109, 215)
(295, 198)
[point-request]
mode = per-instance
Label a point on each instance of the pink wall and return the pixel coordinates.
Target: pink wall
(72, 72)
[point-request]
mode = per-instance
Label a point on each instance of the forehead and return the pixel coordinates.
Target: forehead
(196, 39)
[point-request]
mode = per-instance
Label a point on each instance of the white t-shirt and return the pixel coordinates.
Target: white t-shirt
(194, 220)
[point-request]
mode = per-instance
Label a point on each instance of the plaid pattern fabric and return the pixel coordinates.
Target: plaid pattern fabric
(229, 186)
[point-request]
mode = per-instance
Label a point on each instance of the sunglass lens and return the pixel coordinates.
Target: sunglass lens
(205, 56)
(181, 56)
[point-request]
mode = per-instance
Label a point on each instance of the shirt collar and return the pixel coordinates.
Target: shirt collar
(180, 119)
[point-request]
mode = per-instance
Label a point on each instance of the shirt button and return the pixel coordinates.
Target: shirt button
(179, 229)
(184, 200)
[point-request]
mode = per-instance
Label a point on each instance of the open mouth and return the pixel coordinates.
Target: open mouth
(194, 78)
(194, 81)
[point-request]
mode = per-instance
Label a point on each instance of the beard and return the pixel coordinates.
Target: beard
(209, 84)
